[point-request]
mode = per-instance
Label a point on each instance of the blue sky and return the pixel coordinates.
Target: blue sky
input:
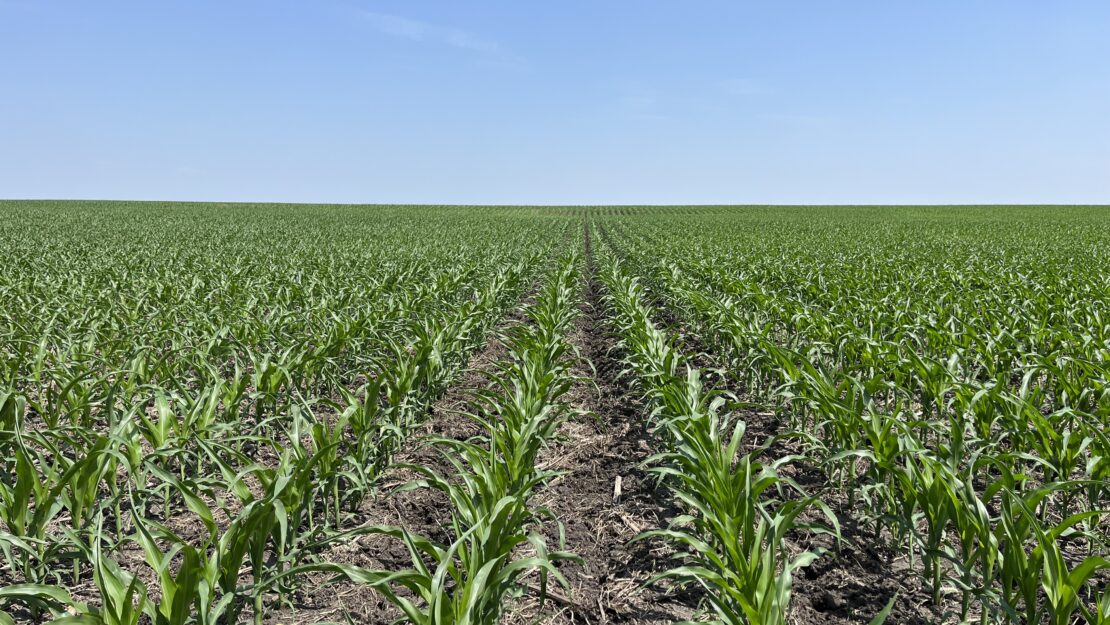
(556, 102)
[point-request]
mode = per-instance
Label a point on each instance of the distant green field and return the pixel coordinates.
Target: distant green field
(276, 413)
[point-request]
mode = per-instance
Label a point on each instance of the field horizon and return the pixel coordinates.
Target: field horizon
(606, 205)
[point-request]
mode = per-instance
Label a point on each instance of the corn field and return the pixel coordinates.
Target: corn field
(231, 413)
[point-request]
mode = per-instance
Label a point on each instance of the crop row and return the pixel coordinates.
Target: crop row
(730, 541)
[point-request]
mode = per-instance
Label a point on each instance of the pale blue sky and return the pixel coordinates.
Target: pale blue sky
(520, 101)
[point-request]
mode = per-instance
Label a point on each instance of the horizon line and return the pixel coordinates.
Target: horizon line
(571, 205)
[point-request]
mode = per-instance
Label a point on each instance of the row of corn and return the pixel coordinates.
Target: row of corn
(730, 541)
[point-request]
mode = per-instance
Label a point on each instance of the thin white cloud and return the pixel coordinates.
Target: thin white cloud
(419, 30)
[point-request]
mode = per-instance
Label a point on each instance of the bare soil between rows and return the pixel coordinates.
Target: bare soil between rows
(607, 443)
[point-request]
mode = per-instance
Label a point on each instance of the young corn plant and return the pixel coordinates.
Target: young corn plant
(30, 499)
(936, 487)
(205, 588)
(733, 539)
(123, 598)
(468, 578)
(1064, 585)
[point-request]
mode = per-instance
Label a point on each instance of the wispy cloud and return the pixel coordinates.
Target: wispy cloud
(427, 32)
